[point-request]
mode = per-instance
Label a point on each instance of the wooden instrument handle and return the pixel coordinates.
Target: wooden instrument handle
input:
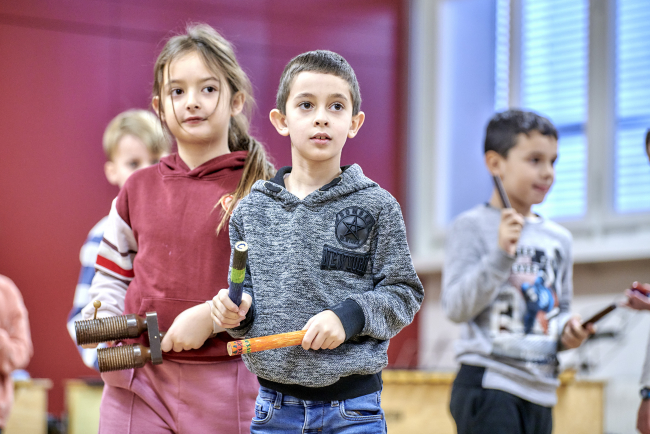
(237, 272)
(262, 343)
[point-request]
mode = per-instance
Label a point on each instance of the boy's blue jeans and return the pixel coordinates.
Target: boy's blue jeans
(278, 413)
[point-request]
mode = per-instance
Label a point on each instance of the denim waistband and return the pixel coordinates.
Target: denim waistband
(351, 386)
(279, 398)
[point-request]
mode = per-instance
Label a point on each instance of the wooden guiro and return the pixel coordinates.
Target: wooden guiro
(263, 343)
(116, 328)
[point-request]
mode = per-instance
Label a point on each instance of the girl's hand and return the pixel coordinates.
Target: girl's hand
(324, 331)
(510, 230)
(574, 334)
(643, 417)
(190, 329)
(226, 313)
(636, 300)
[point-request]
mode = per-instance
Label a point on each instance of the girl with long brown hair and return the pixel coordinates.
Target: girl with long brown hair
(165, 249)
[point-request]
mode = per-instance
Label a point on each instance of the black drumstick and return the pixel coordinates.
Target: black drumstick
(502, 191)
(599, 315)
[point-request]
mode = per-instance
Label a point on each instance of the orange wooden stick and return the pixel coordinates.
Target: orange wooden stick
(262, 343)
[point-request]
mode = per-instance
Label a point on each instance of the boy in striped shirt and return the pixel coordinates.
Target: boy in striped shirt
(133, 140)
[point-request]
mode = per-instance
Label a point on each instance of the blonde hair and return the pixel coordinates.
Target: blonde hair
(141, 124)
(219, 56)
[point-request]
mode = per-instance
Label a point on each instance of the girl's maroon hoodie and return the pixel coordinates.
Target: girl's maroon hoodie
(180, 260)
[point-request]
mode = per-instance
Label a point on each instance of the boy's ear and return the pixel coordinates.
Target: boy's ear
(110, 172)
(356, 123)
(279, 121)
(155, 104)
(494, 163)
(237, 104)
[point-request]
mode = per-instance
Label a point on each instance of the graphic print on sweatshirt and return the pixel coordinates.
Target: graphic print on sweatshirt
(520, 317)
(353, 225)
(352, 228)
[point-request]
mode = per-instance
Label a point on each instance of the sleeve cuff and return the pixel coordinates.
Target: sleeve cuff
(500, 260)
(351, 316)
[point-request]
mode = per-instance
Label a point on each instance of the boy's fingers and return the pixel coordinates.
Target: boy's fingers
(569, 342)
(223, 312)
(519, 219)
(226, 301)
(245, 305)
(331, 343)
(578, 332)
(308, 323)
(318, 341)
(228, 324)
(570, 339)
(307, 340)
(217, 319)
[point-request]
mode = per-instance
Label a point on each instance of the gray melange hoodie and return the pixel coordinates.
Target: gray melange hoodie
(498, 298)
(343, 248)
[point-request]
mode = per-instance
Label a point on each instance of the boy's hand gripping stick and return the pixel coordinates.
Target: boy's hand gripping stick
(262, 343)
(94, 331)
(238, 272)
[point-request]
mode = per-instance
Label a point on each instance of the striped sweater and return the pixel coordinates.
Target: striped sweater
(87, 256)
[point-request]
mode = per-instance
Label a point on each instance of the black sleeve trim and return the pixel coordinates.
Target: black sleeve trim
(351, 316)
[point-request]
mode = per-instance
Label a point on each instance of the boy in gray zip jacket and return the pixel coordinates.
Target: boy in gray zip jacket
(508, 279)
(327, 254)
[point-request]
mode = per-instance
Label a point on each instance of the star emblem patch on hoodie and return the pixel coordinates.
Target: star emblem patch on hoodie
(353, 225)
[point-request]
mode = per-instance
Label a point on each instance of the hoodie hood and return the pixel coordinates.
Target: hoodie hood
(173, 165)
(349, 181)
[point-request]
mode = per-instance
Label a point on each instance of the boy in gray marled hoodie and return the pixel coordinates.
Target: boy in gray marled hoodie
(327, 254)
(508, 279)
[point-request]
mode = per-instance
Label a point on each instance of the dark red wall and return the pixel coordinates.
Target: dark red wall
(67, 67)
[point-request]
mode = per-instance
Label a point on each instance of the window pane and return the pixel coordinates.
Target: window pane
(502, 60)
(632, 172)
(554, 75)
(567, 197)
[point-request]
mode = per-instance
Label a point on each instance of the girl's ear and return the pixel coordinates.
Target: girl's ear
(356, 123)
(237, 103)
(155, 104)
(493, 162)
(279, 121)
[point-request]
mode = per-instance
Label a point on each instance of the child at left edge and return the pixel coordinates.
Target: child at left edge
(336, 264)
(638, 301)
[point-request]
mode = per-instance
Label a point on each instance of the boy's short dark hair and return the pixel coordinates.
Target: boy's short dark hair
(647, 141)
(504, 127)
(325, 62)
